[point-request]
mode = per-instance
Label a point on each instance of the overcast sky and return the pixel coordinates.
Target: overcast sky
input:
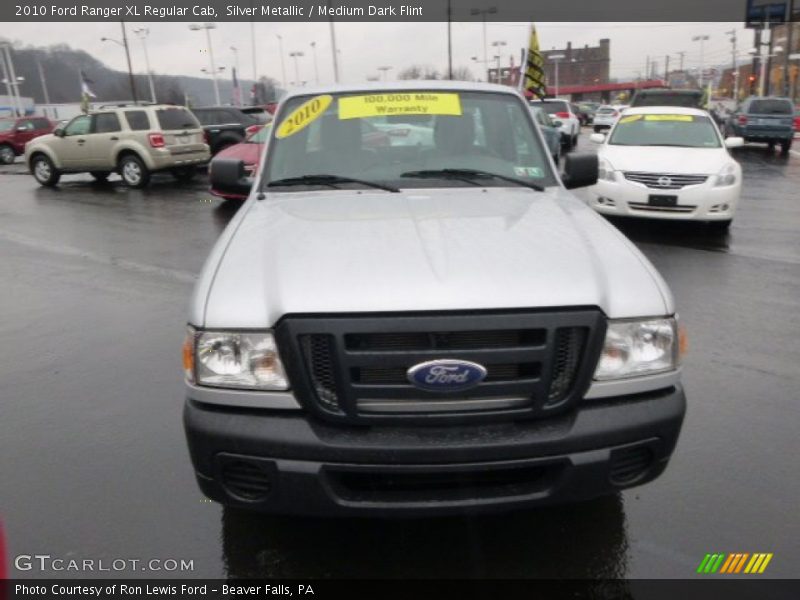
(363, 47)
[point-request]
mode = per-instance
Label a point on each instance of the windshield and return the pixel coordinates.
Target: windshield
(771, 107)
(399, 139)
(689, 99)
(688, 131)
(6, 125)
(176, 118)
(551, 108)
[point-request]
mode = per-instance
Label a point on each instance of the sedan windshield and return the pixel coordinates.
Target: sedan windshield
(405, 139)
(689, 131)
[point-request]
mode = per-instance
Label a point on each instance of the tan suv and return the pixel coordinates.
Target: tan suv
(132, 140)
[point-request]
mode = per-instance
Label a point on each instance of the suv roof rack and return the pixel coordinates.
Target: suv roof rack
(124, 104)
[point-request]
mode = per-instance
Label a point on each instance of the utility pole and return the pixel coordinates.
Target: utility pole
(283, 63)
(647, 68)
(44, 83)
(682, 54)
(755, 66)
(7, 77)
(666, 69)
(735, 72)
(449, 43)
(128, 57)
(789, 41)
(142, 33)
(19, 108)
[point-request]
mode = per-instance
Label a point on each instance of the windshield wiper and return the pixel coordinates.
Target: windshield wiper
(470, 175)
(330, 181)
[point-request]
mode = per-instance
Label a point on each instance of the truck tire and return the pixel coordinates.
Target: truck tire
(786, 145)
(44, 171)
(7, 154)
(133, 171)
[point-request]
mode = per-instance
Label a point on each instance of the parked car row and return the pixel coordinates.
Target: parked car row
(134, 140)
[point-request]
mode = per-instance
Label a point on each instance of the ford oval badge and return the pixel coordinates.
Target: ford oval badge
(446, 375)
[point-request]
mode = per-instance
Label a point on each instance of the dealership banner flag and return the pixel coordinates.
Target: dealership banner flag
(533, 80)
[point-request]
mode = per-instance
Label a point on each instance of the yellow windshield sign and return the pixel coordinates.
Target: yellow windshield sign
(302, 116)
(413, 103)
(684, 118)
(630, 118)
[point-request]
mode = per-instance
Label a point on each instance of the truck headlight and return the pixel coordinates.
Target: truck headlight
(639, 347)
(605, 171)
(245, 360)
(727, 176)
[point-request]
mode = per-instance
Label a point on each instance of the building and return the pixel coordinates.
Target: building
(9, 107)
(579, 66)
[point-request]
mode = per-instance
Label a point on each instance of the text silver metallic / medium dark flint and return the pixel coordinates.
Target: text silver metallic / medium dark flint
(446, 375)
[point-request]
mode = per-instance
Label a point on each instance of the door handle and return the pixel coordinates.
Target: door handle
(114, 138)
(81, 141)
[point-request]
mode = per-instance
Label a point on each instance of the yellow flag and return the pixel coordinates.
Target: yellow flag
(534, 77)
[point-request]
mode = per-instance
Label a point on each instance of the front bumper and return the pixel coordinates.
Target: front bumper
(294, 464)
(698, 202)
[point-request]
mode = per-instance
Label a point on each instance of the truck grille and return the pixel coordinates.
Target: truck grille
(664, 181)
(355, 368)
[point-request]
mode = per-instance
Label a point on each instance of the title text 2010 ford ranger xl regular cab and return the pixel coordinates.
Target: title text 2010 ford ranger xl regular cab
(423, 328)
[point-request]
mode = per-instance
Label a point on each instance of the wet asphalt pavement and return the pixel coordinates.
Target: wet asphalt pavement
(95, 285)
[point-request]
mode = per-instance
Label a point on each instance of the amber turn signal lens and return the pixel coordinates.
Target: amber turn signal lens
(188, 355)
(683, 342)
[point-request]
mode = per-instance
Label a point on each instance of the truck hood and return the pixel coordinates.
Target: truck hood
(421, 250)
(666, 159)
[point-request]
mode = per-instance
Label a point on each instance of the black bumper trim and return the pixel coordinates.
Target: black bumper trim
(314, 464)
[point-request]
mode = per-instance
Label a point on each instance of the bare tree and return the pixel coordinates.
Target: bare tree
(463, 74)
(419, 72)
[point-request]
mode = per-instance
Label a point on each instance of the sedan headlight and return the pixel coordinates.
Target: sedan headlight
(640, 347)
(604, 170)
(244, 360)
(727, 176)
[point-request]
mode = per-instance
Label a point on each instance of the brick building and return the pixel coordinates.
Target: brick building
(580, 66)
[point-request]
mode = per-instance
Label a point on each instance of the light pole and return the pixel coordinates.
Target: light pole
(335, 54)
(384, 70)
(701, 39)
(776, 51)
(556, 58)
(208, 27)
(316, 69)
(497, 46)
(142, 33)
(124, 44)
(10, 79)
(483, 12)
(295, 55)
(283, 62)
(236, 92)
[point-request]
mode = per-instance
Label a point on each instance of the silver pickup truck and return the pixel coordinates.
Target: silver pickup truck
(412, 315)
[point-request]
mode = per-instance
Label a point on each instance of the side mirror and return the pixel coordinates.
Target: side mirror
(734, 142)
(597, 138)
(580, 170)
(58, 132)
(557, 123)
(228, 175)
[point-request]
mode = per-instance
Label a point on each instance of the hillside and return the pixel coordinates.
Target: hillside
(62, 66)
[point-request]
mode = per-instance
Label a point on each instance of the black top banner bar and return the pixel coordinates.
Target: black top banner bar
(373, 10)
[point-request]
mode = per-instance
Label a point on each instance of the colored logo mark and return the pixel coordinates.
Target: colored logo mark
(737, 562)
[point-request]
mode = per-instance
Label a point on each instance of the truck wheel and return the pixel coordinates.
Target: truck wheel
(133, 171)
(184, 174)
(44, 171)
(786, 145)
(7, 154)
(100, 175)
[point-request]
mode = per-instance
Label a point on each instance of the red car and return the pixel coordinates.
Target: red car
(15, 133)
(797, 119)
(250, 151)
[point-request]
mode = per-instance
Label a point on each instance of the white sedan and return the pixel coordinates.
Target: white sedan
(667, 163)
